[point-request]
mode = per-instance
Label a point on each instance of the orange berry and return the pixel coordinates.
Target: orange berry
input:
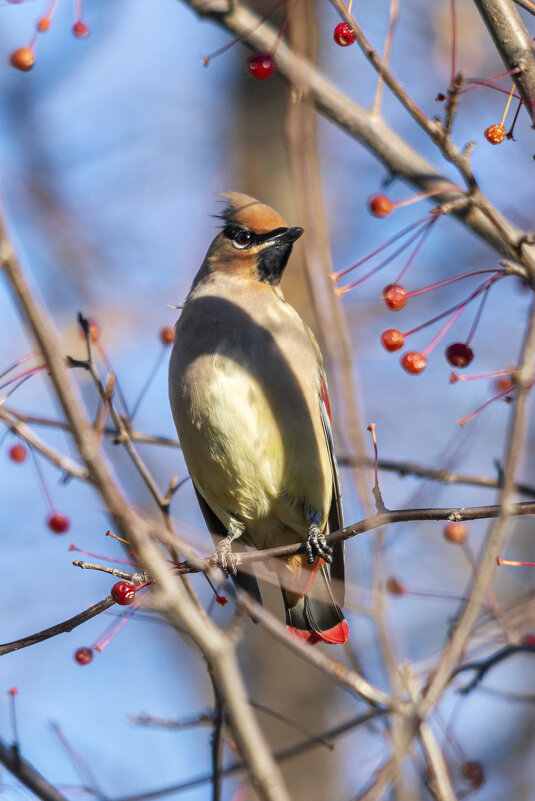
(413, 362)
(455, 532)
(395, 296)
(17, 453)
(392, 339)
(167, 335)
(22, 59)
(495, 134)
(80, 29)
(503, 383)
(380, 206)
(43, 24)
(394, 586)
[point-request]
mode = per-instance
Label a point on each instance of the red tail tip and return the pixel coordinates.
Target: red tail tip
(338, 635)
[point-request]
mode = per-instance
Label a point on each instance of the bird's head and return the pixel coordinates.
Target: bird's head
(255, 241)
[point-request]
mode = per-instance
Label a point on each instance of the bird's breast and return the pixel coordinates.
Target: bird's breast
(249, 424)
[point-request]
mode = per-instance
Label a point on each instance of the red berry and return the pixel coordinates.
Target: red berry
(503, 383)
(528, 639)
(13, 691)
(83, 656)
(413, 362)
(495, 134)
(17, 453)
(43, 24)
(394, 586)
(167, 335)
(456, 532)
(222, 600)
(58, 523)
(261, 66)
(473, 772)
(395, 296)
(123, 593)
(80, 29)
(459, 354)
(392, 339)
(380, 206)
(343, 35)
(22, 59)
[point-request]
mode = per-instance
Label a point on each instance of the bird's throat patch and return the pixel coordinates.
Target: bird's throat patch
(272, 262)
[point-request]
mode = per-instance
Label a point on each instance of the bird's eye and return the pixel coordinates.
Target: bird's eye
(242, 238)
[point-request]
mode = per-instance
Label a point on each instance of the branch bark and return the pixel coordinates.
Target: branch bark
(27, 775)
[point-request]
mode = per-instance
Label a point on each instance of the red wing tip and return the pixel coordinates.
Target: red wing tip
(338, 635)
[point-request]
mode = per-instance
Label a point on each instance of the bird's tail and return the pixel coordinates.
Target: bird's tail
(314, 616)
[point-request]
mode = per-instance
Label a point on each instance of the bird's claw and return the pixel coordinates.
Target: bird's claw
(224, 558)
(316, 545)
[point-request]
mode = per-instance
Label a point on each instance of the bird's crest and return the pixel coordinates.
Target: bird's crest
(245, 211)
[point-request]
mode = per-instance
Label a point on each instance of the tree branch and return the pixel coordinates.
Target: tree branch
(365, 126)
(27, 775)
(513, 43)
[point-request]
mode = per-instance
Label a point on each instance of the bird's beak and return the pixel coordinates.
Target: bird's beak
(289, 235)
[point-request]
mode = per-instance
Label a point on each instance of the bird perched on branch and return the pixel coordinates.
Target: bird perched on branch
(249, 399)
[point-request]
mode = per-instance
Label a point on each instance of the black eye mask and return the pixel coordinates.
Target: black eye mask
(234, 232)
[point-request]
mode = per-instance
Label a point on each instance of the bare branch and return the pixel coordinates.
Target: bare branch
(27, 775)
(65, 463)
(59, 628)
(443, 476)
(496, 537)
(175, 602)
(280, 756)
(365, 126)
(513, 43)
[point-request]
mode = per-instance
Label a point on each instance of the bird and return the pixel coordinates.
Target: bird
(248, 394)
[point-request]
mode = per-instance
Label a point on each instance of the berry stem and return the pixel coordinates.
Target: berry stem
(443, 331)
(99, 556)
(477, 376)
(289, 8)
(24, 375)
(508, 104)
(423, 236)
(41, 480)
(148, 382)
(479, 311)
(514, 562)
(14, 728)
(438, 317)
(206, 59)
(408, 243)
(420, 196)
(431, 287)
(17, 364)
(341, 273)
(113, 629)
(509, 133)
(463, 420)
(51, 10)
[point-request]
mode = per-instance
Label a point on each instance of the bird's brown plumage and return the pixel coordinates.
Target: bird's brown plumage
(246, 381)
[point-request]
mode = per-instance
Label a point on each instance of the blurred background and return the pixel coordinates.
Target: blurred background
(112, 152)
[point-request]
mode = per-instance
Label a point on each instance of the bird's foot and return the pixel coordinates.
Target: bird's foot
(316, 545)
(224, 558)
